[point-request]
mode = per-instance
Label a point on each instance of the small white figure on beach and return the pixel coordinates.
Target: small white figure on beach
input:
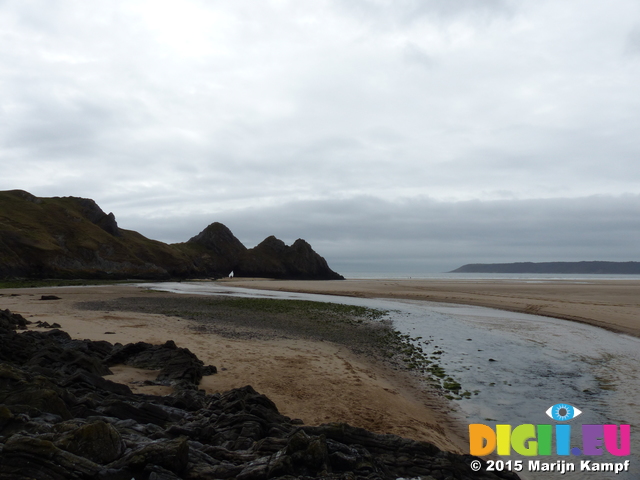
(231, 274)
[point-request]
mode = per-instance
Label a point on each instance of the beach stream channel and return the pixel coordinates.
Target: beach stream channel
(511, 367)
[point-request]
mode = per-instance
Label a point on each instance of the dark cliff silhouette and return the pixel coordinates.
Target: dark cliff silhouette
(71, 237)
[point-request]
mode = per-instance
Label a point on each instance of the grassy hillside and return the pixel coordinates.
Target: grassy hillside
(71, 237)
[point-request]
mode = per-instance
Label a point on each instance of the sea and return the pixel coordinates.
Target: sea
(515, 366)
(525, 277)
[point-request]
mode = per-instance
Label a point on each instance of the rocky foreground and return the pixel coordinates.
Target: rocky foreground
(60, 419)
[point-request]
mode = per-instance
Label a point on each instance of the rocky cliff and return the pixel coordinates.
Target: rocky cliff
(277, 260)
(70, 237)
(217, 249)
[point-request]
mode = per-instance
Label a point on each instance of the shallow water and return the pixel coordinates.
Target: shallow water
(516, 365)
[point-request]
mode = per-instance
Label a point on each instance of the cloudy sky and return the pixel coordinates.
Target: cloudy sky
(393, 135)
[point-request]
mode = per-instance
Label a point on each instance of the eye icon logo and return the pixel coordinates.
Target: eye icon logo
(563, 412)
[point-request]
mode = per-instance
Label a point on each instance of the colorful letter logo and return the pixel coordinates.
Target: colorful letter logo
(530, 440)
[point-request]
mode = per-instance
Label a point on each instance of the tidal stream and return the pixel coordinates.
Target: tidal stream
(514, 366)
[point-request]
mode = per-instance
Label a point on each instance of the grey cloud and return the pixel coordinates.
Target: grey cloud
(333, 121)
(485, 8)
(407, 11)
(424, 235)
(632, 45)
(51, 129)
(355, 118)
(416, 55)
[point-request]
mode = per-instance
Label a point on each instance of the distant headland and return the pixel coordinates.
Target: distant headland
(71, 237)
(593, 267)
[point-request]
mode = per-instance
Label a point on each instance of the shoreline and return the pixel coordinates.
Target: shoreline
(318, 381)
(613, 305)
(314, 380)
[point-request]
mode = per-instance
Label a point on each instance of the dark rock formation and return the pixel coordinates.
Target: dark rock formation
(92, 212)
(175, 364)
(97, 441)
(590, 268)
(272, 258)
(216, 250)
(12, 321)
(219, 240)
(72, 237)
(62, 420)
(220, 252)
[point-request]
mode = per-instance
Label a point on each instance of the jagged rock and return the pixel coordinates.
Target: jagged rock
(219, 240)
(272, 258)
(12, 321)
(172, 455)
(144, 414)
(91, 381)
(175, 364)
(14, 348)
(221, 252)
(209, 370)
(99, 442)
(255, 470)
(67, 359)
(40, 324)
(350, 458)
(215, 250)
(26, 457)
(303, 455)
(92, 212)
(6, 416)
(20, 388)
(158, 473)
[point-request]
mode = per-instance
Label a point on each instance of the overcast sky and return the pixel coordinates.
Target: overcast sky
(393, 135)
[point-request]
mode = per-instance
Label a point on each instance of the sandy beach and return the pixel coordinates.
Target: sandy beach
(322, 381)
(318, 382)
(610, 304)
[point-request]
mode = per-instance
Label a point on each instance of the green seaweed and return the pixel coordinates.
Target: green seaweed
(28, 283)
(364, 330)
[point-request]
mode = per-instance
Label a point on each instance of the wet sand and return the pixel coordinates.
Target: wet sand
(316, 381)
(610, 304)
